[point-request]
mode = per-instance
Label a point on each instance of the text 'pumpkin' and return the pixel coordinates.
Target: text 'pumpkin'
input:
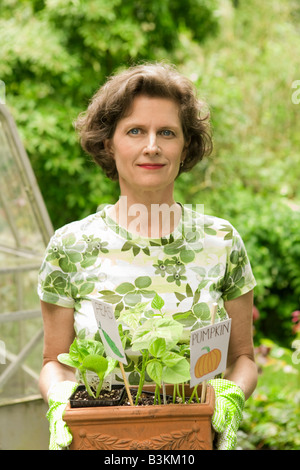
(207, 362)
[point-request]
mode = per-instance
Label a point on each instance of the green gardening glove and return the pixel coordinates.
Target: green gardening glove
(229, 405)
(58, 397)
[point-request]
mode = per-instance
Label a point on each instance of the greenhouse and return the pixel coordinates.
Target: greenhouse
(25, 229)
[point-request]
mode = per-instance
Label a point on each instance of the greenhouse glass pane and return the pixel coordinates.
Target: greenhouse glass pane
(18, 226)
(25, 229)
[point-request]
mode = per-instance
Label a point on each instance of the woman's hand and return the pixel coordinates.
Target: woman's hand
(58, 396)
(240, 377)
(229, 405)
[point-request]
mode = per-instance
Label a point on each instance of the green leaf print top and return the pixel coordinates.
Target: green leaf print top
(203, 261)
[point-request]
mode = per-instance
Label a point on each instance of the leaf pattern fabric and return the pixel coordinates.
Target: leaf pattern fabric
(203, 261)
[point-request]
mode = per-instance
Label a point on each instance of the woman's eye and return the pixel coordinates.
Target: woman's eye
(134, 131)
(167, 133)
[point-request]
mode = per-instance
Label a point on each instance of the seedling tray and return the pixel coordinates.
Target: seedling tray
(102, 400)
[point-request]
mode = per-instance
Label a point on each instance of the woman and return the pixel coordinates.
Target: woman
(144, 127)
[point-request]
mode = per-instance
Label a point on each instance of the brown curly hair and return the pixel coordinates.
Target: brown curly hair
(113, 100)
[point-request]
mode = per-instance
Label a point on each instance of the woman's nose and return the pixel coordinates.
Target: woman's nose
(151, 147)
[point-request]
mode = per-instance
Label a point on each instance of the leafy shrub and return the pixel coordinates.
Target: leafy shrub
(55, 54)
(271, 415)
(271, 232)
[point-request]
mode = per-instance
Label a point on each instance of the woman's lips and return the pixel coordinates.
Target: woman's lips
(151, 166)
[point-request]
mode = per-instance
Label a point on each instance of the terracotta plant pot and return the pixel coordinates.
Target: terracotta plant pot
(156, 427)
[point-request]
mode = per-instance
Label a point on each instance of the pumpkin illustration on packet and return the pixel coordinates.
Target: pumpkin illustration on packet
(207, 362)
(208, 351)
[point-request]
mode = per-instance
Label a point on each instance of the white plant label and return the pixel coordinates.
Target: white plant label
(108, 329)
(209, 349)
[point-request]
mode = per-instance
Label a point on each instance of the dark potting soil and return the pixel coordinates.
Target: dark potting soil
(80, 398)
(104, 395)
(112, 397)
(118, 396)
(147, 398)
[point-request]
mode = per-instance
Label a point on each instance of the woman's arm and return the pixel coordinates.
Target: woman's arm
(241, 367)
(58, 336)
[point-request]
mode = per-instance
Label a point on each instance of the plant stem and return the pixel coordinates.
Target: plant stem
(142, 376)
(194, 393)
(87, 386)
(157, 395)
(99, 388)
(164, 393)
(177, 392)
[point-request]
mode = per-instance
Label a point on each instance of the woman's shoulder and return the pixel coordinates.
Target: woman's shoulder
(196, 213)
(82, 226)
(218, 223)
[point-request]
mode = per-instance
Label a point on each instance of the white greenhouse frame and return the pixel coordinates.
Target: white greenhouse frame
(21, 202)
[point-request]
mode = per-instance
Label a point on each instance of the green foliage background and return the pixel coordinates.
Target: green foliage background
(243, 58)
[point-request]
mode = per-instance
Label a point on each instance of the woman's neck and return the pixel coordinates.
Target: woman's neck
(149, 219)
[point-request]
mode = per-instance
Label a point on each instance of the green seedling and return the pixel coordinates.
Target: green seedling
(152, 333)
(88, 355)
(157, 339)
(97, 364)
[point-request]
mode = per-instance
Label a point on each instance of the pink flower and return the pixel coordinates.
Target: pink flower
(296, 316)
(255, 313)
(296, 320)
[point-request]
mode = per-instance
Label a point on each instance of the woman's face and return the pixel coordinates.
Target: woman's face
(148, 146)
